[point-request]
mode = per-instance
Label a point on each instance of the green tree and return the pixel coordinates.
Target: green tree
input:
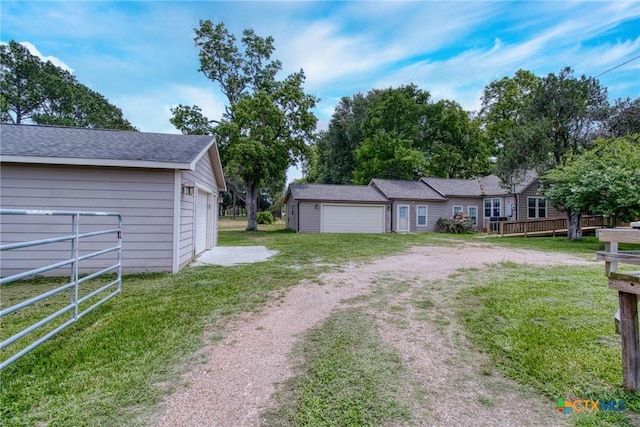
(505, 106)
(602, 180)
(267, 122)
(457, 146)
(334, 151)
(393, 135)
(624, 118)
(42, 93)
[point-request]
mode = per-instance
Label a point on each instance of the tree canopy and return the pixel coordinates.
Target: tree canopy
(267, 123)
(39, 92)
(539, 123)
(604, 180)
(398, 133)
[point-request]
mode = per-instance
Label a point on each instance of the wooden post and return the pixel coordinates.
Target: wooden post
(630, 345)
(628, 287)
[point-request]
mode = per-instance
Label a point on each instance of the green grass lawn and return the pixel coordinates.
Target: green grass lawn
(113, 366)
(553, 329)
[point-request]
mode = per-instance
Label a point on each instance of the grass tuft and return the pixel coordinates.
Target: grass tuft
(348, 377)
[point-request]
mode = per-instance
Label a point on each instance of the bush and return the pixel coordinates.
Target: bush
(265, 217)
(458, 224)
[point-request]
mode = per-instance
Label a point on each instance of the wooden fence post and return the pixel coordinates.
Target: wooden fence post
(628, 286)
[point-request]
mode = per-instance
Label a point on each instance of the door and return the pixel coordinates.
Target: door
(352, 218)
(201, 223)
(403, 219)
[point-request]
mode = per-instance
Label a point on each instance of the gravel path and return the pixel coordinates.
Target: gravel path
(239, 374)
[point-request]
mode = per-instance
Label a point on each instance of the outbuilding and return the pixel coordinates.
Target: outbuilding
(165, 186)
(325, 208)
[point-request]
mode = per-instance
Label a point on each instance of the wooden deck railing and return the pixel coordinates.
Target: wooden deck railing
(542, 226)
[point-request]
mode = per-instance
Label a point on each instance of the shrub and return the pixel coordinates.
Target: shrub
(265, 217)
(458, 224)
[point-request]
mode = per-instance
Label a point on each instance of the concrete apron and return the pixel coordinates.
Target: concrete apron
(234, 255)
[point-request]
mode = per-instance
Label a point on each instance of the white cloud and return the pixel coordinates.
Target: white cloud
(55, 61)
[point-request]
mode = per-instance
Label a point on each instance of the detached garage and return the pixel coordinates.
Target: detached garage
(165, 187)
(322, 208)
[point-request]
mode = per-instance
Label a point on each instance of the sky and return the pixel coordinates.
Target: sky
(141, 55)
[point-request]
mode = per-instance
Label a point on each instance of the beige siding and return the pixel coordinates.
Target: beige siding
(309, 217)
(204, 178)
(144, 198)
(532, 191)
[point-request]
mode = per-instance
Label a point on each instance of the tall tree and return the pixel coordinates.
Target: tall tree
(624, 118)
(334, 151)
(393, 135)
(505, 105)
(557, 116)
(42, 93)
(456, 146)
(267, 122)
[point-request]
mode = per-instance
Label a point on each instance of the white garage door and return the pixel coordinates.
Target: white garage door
(201, 222)
(352, 219)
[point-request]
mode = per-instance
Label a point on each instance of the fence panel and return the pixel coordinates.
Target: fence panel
(85, 293)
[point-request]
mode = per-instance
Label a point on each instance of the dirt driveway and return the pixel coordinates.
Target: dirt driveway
(238, 375)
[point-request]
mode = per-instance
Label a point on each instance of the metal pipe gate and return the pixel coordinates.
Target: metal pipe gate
(111, 289)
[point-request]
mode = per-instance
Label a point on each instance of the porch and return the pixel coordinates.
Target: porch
(542, 227)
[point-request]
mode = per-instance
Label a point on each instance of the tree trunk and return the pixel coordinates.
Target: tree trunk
(251, 205)
(574, 225)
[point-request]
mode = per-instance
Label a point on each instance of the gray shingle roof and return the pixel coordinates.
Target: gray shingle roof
(336, 193)
(478, 187)
(400, 189)
(82, 143)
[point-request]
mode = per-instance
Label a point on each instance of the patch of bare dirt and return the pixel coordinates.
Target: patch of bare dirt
(239, 374)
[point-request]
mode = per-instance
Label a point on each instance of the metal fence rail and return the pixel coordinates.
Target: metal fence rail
(106, 292)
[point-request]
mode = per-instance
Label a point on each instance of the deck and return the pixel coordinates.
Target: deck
(542, 227)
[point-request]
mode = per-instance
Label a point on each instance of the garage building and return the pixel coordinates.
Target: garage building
(165, 186)
(324, 208)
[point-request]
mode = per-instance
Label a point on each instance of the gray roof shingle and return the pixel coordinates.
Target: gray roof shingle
(400, 189)
(477, 187)
(82, 143)
(336, 193)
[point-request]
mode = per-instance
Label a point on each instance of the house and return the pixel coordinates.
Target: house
(485, 199)
(324, 208)
(165, 187)
(414, 206)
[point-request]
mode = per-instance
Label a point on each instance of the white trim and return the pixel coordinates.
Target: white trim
(215, 208)
(492, 206)
(95, 162)
(408, 218)
(177, 210)
(321, 207)
(209, 221)
(537, 207)
(453, 210)
(469, 213)
(426, 215)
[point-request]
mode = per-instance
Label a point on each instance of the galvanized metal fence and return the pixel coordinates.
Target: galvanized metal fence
(104, 292)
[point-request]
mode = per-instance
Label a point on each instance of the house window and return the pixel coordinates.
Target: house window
(291, 209)
(492, 207)
(421, 217)
(472, 213)
(457, 209)
(537, 207)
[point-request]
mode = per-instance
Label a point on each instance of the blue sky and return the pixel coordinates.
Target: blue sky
(141, 55)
